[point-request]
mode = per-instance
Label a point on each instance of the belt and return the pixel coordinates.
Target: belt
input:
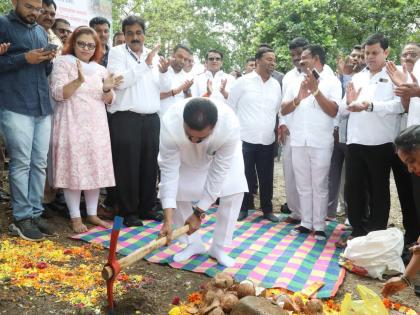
(146, 115)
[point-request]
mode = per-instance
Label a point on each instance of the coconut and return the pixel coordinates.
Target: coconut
(300, 306)
(223, 280)
(288, 304)
(211, 307)
(217, 311)
(210, 296)
(314, 307)
(228, 302)
(245, 288)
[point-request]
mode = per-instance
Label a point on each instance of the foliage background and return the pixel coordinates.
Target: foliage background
(237, 27)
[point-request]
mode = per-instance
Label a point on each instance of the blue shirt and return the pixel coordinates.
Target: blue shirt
(23, 86)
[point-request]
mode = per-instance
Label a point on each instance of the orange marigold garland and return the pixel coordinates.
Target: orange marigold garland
(72, 274)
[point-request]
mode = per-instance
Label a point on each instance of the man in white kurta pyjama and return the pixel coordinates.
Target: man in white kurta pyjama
(200, 160)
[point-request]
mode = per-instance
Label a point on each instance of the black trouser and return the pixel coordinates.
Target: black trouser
(371, 166)
(259, 157)
(405, 194)
(111, 192)
(135, 146)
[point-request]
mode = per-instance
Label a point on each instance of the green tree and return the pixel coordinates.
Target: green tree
(336, 24)
(5, 6)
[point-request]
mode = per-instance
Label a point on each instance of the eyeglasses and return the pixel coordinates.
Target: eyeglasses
(33, 9)
(214, 59)
(409, 54)
(83, 45)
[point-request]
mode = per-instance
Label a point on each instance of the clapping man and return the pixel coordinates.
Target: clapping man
(134, 122)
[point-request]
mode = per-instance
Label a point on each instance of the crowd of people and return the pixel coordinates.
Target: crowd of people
(144, 126)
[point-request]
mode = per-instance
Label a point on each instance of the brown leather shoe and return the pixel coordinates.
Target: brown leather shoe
(290, 220)
(104, 213)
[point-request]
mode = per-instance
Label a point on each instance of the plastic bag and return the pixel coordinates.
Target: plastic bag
(378, 252)
(370, 304)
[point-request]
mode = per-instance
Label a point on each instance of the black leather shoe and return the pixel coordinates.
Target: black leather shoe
(285, 209)
(132, 220)
(242, 215)
(152, 215)
(271, 217)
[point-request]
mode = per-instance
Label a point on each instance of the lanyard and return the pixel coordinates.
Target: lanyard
(132, 55)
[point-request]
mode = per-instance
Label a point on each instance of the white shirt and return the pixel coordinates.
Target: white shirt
(140, 90)
(288, 80)
(376, 127)
(199, 88)
(176, 79)
(256, 104)
(200, 171)
(414, 109)
(311, 126)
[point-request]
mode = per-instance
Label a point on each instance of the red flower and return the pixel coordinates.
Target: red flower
(176, 300)
(28, 265)
(67, 251)
(41, 265)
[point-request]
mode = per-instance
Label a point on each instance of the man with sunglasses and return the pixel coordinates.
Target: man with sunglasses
(214, 82)
(200, 160)
(25, 114)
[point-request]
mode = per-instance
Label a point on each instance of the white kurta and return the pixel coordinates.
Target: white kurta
(142, 83)
(376, 127)
(256, 103)
(176, 79)
(414, 110)
(311, 134)
(199, 88)
(200, 172)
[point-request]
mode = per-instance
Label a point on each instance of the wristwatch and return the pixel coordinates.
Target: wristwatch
(199, 213)
(370, 107)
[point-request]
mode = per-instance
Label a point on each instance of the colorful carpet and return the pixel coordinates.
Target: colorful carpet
(265, 253)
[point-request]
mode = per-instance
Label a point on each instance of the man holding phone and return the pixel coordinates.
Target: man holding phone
(25, 117)
(314, 100)
(46, 19)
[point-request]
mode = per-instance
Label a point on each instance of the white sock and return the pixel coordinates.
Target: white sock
(72, 198)
(191, 250)
(217, 252)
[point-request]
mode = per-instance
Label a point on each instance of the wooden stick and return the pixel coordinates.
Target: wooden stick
(126, 261)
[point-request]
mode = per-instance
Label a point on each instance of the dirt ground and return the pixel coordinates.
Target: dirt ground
(164, 283)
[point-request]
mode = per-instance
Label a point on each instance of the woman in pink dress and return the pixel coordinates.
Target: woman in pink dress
(81, 148)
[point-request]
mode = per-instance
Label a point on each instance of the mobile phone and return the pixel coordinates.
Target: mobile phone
(50, 47)
(315, 73)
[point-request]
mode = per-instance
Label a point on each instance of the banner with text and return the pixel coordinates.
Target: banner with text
(80, 12)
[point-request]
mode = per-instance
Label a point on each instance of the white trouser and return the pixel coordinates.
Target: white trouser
(311, 167)
(226, 217)
(72, 197)
(292, 196)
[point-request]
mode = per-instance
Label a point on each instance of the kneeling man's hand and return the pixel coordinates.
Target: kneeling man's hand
(194, 223)
(166, 229)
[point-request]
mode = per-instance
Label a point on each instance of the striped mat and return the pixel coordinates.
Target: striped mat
(265, 253)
